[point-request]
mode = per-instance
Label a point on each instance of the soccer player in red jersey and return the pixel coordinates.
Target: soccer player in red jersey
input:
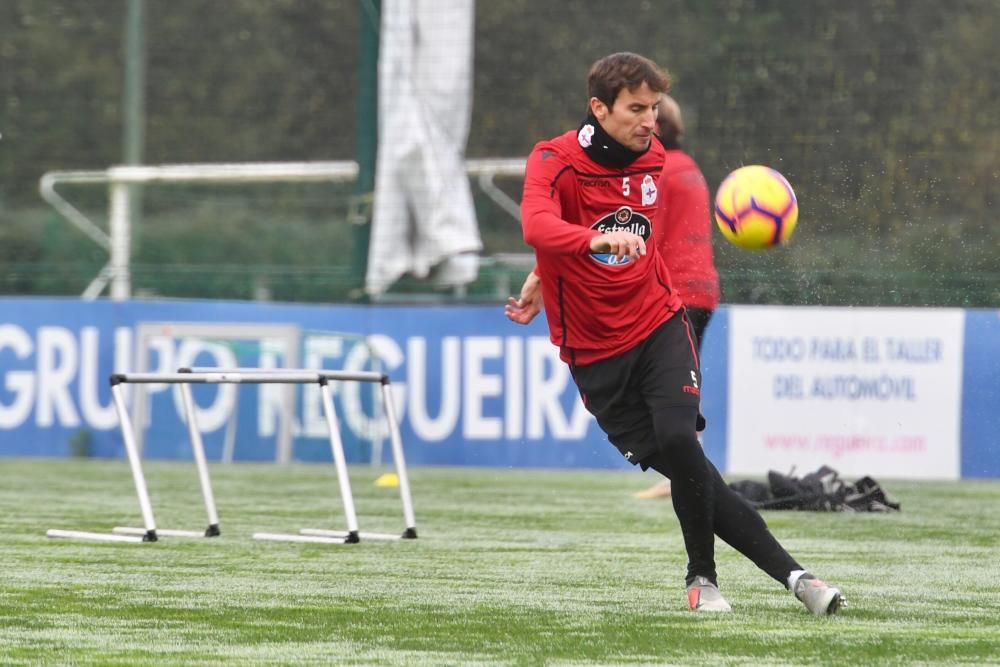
(588, 209)
(684, 223)
(685, 219)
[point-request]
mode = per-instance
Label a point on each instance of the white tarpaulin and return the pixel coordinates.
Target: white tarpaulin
(423, 216)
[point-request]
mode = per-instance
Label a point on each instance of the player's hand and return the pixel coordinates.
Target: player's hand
(523, 309)
(620, 244)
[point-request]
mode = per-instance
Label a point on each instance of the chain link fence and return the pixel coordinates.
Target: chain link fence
(881, 113)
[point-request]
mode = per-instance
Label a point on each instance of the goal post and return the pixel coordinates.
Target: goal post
(122, 178)
(116, 274)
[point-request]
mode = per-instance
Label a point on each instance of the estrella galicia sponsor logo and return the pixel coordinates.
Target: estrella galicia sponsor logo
(624, 220)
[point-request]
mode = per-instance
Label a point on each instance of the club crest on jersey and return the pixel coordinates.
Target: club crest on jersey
(586, 135)
(626, 220)
(648, 190)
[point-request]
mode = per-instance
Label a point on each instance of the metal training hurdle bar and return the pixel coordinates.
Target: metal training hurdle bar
(352, 534)
(186, 377)
(149, 532)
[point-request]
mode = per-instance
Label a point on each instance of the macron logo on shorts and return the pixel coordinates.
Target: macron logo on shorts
(693, 388)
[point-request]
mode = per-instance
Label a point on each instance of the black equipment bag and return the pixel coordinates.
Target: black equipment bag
(819, 491)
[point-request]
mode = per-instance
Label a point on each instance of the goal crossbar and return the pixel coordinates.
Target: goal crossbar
(120, 180)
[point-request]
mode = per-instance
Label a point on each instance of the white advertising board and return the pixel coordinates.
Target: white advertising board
(865, 391)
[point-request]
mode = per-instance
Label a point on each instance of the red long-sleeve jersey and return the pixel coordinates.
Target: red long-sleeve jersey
(684, 230)
(596, 306)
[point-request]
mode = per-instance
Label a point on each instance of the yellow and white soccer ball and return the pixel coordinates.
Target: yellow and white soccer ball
(755, 208)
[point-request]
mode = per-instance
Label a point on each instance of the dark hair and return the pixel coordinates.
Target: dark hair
(669, 121)
(609, 75)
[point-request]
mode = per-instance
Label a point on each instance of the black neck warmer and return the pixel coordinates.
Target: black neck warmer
(602, 149)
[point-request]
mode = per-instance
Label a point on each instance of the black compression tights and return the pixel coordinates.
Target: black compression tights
(706, 506)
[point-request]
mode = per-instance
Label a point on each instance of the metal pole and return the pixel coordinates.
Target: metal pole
(134, 462)
(134, 111)
(400, 461)
(366, 133)
(198, 449)
(121, 242)
(339, 461)
(133, 138)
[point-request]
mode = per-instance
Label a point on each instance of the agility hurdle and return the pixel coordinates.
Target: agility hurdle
(149, 531)
(323, 378)
(186, 377)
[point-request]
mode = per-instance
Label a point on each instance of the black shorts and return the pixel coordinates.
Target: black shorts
(624, 391)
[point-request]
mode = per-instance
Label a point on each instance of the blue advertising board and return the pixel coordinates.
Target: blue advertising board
(470, 388)
(981, 395)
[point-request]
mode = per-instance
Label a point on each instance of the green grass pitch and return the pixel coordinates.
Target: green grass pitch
(515, 567)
